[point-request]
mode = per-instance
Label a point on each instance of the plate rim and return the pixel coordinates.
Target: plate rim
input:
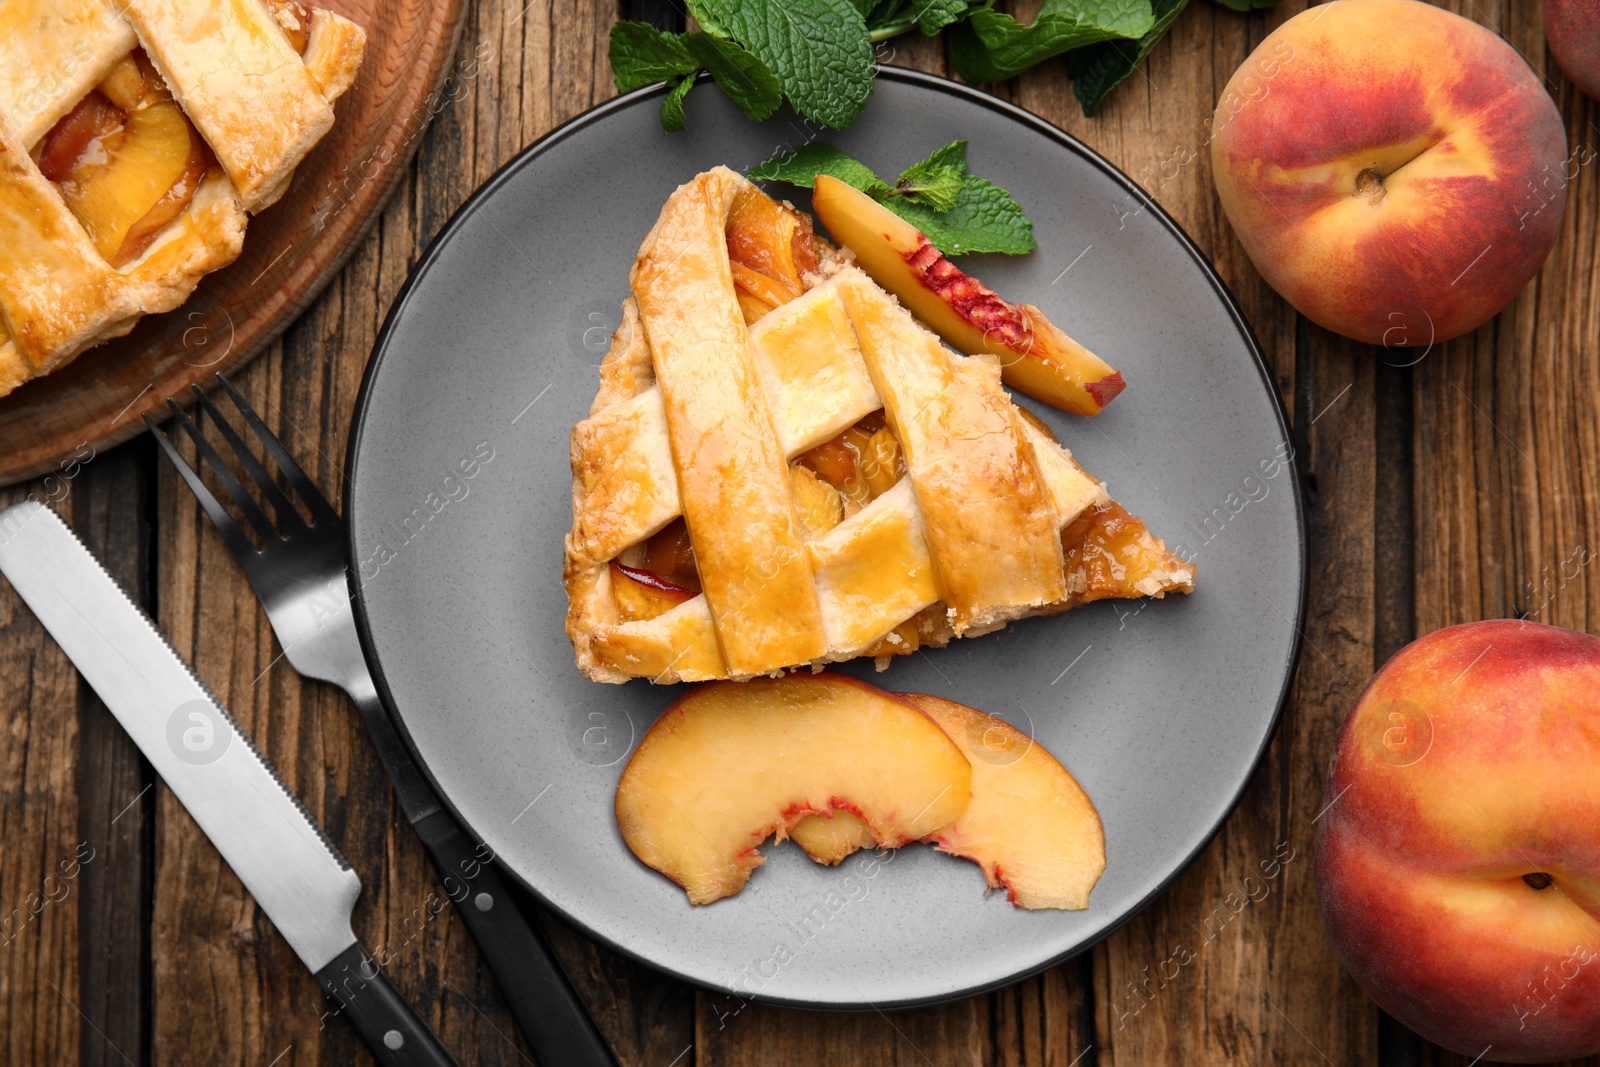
(457, 221)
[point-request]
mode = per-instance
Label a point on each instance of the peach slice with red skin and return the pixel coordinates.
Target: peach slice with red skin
(1036, 357)
(1030, 826)
(731, 763)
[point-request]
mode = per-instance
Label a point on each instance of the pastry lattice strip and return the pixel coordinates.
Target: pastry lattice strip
(257, 103)
(698, 416)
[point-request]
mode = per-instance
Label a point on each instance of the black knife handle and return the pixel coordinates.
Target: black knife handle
(393, 1031)
(547, 1008)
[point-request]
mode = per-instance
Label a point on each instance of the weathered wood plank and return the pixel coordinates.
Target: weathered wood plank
(115, 785)
(39, 829)
(950, 1034)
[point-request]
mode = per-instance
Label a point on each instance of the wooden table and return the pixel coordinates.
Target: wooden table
(1443, 491)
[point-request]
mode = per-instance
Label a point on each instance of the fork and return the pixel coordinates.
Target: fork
(300, 576)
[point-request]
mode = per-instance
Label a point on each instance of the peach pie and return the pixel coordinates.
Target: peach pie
(783, 467)
(135, 138)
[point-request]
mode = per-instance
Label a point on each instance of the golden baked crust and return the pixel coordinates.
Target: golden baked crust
(241, 84)
(698, 416)
(333, 53)
(992, 530)
(52, 52)
(257, 104)
(756, 579)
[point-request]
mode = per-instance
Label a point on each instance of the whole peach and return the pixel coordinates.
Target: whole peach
(1384, 163)
(1458, 857)
(1572, 28)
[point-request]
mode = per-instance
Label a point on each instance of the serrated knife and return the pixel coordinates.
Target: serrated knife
(278, 851)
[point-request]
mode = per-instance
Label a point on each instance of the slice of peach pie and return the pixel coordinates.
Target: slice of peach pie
(783, 467)
(135, 138)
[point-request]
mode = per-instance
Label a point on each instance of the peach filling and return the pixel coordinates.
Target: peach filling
(127, 160)
(771, 248)
(654, 577)
(1112, 548)
(860, 464)
(295, 18)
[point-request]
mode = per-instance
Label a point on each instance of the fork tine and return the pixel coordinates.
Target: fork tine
(289, 519)
(321, 509)
(232, 533)
(208, 456)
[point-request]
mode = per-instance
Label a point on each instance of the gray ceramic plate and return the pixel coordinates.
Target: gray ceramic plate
(460, 500)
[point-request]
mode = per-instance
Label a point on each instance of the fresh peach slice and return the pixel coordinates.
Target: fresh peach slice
(1030, 826)
(733, 762)
(831, 838)
(640, 595)
(1036, 357)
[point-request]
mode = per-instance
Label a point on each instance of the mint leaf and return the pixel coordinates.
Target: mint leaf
(935, 15)
(981, 216)
(991, 46)
(800, 166)
(672, 104)
(937, 187)
(818, 49)
(937, 180)
(984, 218)
(953, 154)
(1099, 68)
(642, 55)
(707, 19)
(740, 75)
(888, 18)
(892, 16)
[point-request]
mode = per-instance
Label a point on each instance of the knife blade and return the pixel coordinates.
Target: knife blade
(291, 868)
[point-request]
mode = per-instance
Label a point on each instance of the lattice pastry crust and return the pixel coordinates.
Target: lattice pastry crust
(698, 415)
(257, 99)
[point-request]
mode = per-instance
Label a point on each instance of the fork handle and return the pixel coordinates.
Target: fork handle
(390, 1026)
(555, 1022)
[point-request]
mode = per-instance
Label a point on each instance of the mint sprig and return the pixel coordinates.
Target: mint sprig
(817, 54)
(958, 212)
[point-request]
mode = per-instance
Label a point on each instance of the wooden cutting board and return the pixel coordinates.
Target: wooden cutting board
(291, 251)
